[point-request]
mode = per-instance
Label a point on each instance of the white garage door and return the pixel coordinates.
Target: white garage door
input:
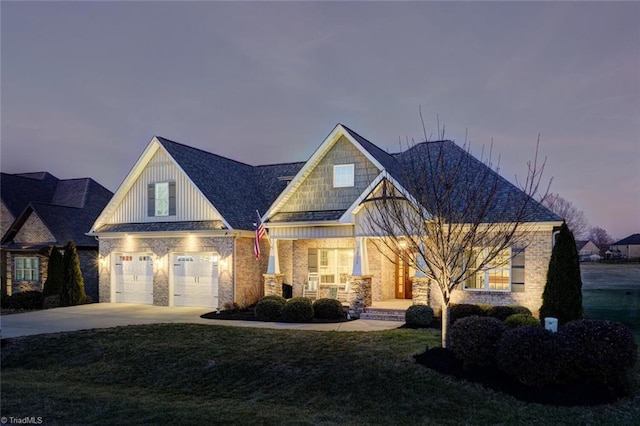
(195, 279)
(134, 278)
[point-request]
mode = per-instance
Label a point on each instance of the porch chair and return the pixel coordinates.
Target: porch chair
(310, 289)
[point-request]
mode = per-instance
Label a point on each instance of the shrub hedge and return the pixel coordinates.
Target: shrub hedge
(521, 320)
(418, 316)
(275, 297)
(598, 352)
(297, 309)
(328, 309)
(530, 354)
(464, 310)
(474, 340)
(268, 309)
(27, 300)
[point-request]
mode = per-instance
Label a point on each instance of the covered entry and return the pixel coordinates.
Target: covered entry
(133, 276)
(195, 279)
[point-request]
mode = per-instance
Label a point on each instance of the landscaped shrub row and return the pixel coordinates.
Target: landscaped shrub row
(418, 316)
(590, 352)
(24, 300)
(500, 312)
(297, 309)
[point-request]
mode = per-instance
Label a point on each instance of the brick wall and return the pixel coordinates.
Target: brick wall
(163, 247)
(249, 280)
(34, 231)
(6, 219)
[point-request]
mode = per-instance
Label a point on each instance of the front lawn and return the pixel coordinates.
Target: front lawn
(202, 374)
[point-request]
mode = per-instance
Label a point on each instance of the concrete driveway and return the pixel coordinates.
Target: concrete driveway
(106, 315)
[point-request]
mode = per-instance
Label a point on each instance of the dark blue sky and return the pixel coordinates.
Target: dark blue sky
(86, 85)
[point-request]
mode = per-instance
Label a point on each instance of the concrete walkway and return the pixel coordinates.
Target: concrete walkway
(105, 315)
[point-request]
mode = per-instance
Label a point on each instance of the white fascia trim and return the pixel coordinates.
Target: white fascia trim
(305, 224)
(128, 182)
(312, 162)
(173, 234)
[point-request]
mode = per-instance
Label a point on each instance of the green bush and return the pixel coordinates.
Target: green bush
(418, 316)
(464, 310)
(297, 309)
(51, 302)
(276, 298)
(521, 320)
(519, 309)
(72, 292)
(474, 340)
(562, 296)
(328, 309)
(501, 312)
(268, 309)
(27, 300)
(55, 274)
(530, 354)
(598, 352)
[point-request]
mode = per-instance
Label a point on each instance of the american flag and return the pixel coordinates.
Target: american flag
(260, 232)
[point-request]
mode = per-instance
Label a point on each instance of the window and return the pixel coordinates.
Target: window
(496, 276)
(335, 265)
(343, 175)
(27, 269)
(161, 199)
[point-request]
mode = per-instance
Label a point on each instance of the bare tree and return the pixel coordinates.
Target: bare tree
(454, 213)
(600, 237)
(575, 219)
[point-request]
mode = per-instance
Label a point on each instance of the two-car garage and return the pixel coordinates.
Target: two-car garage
(193, 278)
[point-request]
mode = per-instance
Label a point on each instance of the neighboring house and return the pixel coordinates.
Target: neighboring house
(587, 250)
(40, 211)
(628, 248)
(180, 230)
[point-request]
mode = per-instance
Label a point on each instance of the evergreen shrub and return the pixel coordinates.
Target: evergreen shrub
(419, 316)
(268, 309)
(328, 309)
(474, 340)
(598, 352)
(530, 354)
(465, 310)
(521, 320)
(297, 309)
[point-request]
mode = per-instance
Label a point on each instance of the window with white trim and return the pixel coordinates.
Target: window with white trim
(335, 265)
(343, 175)
(161, 199)
(495, 276)
(26, 269)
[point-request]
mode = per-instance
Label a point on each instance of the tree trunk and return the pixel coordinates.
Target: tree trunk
(446, 322)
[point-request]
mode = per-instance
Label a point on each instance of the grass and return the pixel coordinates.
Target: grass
(612, 291)
(202, 374)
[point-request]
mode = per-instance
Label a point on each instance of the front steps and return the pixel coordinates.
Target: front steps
(382, 314)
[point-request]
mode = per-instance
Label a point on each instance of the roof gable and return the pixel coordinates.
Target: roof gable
(311, 189)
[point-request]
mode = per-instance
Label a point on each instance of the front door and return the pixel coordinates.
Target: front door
(403, 280)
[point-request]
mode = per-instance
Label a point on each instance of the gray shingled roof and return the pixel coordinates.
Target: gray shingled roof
(229, 185)
(631, 240)
(309, 216)
(18, 190)
(68, 208)
(164, 226)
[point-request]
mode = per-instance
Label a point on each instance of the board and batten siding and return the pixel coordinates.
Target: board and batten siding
(191, 205)
(343, 231)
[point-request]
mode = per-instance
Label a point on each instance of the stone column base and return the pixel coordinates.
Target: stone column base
(421, 291)
(273, 284)
(359, 295)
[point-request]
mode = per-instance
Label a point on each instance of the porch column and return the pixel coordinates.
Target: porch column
(273, 279)
(421, 284)
(360, 260)
(360, 282)
(274, 263)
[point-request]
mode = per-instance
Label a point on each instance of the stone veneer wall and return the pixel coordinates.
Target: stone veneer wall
(163, 247)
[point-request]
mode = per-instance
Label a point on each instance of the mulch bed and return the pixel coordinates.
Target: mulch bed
(444, 362)
(248, 315)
